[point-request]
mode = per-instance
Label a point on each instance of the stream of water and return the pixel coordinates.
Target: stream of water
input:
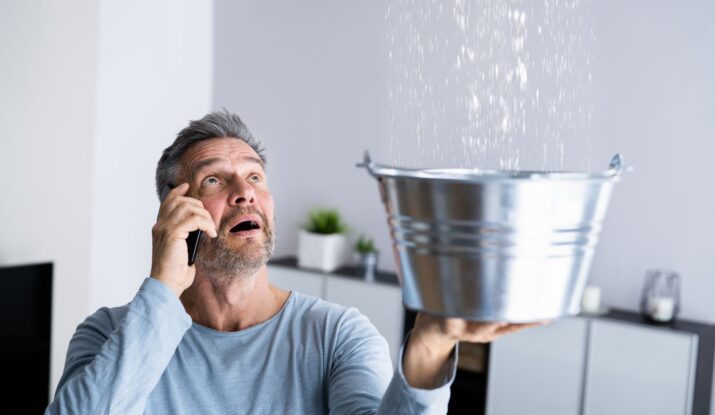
(489, 84)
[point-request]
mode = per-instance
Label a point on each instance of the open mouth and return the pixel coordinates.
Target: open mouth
(246, 225)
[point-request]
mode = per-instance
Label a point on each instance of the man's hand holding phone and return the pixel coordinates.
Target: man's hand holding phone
(178, 216)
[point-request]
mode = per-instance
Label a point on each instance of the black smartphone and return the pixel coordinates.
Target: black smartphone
(192, 242)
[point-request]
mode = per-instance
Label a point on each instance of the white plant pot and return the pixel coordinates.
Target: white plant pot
(322, 252)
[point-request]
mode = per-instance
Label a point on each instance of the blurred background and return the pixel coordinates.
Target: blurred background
(92, 92)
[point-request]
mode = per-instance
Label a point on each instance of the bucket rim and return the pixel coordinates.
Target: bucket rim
(486, 175)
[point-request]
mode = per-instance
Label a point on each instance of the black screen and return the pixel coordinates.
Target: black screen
(25, 329)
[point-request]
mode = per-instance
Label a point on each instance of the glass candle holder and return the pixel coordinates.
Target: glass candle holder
(368, 265)
(660, 300)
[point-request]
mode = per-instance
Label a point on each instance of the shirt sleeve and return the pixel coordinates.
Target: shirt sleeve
(401, 398)
(359, 380)
(112, 364)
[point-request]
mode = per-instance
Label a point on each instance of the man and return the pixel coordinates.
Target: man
(217, 338)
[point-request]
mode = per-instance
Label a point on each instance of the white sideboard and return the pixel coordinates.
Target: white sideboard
(295, 280)
(379, 301)
(538, 371)
(617, 364)
(634, 369)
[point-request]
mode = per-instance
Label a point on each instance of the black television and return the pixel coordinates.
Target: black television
(25, 332)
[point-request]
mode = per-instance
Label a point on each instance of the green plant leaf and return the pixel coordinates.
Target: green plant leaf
(325, 221)
(365, 245)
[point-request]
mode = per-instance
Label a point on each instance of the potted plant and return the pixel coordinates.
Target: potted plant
(322, 242)
(367, 253)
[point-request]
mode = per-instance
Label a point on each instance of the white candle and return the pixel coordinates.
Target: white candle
(591, 301)
(662, 308)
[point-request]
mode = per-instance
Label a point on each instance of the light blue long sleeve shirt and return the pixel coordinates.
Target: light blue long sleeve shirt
(312, 357)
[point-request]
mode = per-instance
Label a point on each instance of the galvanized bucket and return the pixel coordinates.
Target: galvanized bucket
(511, 246)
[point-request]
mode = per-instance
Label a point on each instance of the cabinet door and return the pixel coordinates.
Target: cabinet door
(296, 280)
(538, 370)
(380, 303)
(639, 370)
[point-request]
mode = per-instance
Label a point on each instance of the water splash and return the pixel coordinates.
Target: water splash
(488, 84)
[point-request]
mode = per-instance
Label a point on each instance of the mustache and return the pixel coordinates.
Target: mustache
(228, 222)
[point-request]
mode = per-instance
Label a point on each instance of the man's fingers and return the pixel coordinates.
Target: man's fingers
(179, 190)
(483, 332)
(486, 326)
(478, 331)
(177, 209)
(170, 205)
(189, 200)
(184, 211)
(512, 328)
(471, 331)
(177, 194)
(186, 218)
(193, 223)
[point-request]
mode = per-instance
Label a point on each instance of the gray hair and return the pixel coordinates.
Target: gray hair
(217, 124)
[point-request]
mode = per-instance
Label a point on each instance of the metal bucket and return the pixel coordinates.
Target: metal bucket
(511, 246)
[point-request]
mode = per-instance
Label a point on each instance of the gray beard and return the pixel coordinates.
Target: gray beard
(223, 265)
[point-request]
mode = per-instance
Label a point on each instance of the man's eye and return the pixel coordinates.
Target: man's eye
(211, 180)
(255, 178)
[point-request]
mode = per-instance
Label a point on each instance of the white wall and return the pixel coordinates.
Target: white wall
(154, 75)
(92, 93)
(48, 52)
(311, 80)
(655, 103)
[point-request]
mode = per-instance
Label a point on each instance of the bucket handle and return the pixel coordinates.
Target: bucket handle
(617, 166)
(368, 164)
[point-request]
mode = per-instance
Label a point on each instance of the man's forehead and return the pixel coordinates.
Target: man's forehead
(219, 150)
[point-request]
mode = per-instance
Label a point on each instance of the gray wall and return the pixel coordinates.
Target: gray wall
(91, 95)
(153, 76)
(309, 79)
(312, 78)
(47, 78)
(655, 103)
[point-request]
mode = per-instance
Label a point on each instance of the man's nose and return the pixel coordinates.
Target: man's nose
(242, 193)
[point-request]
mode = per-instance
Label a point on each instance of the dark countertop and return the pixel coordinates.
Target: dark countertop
(635, 317)
(349, 271)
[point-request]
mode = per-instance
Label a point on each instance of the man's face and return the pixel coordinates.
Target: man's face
(227, 175)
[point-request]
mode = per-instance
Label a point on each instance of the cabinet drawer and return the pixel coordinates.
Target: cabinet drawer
(296, 280)
(639, 370)
(538, 370)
